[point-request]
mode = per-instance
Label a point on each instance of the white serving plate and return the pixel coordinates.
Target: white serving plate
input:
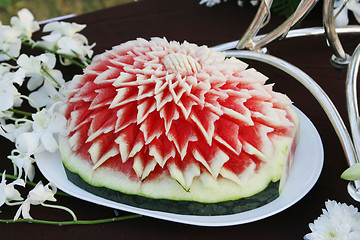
(306, 169)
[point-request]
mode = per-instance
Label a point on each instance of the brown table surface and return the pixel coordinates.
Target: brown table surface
(187, 20)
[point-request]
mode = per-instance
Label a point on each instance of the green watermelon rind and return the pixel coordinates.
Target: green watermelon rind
(204, 189)
(181, 207)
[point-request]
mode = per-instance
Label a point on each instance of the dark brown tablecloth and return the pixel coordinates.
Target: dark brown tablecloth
(187, 20)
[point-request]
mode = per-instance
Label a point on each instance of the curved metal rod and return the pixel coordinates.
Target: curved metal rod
(302, 10)
(303, 32)
(340, 58)
(352, 103)
(249, 42)
(261, 18)
(315, 90)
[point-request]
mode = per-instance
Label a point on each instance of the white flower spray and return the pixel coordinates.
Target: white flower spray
(36, 131)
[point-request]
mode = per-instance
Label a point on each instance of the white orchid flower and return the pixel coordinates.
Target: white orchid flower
(37, 196)
(40, 68)
(64, 38)
(46, 124)
(31, 65)
(74, 47)
(24, 162)
(12, 131)
(47, 95)
(8, 193)
(10, 42)
(9, 95)
(342, 18)
(25, 23)
(64, 28)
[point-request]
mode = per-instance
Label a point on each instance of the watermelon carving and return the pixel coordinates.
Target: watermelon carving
(177, 121)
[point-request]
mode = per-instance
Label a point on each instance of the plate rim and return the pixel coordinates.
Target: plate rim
(46, 161)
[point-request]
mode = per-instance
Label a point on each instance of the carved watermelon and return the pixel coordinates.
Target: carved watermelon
(177, 121)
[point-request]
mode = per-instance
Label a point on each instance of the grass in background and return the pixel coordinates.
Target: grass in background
(45, 9)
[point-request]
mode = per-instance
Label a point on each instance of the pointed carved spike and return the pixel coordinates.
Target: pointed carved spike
(190, 172)
(108, 76)
(94, 151)
(231, 141)
(215, 163)
(139, 144)
(94, 135)
(218, 161)
(181, 133)
(177, 174)
(150, 166)
(199, 157)
(244, 118)
(74, 141)
(125, 116)
(272, 117)
(265, 147)
(113, 152)
(144, 109)
(169, 113)
(227, 145)
(124, 147)
(161, 150)
(138, 166)
(162, 99)
(124, 96)
(228, 174)
(250, 149)
(152, 127)
(203, 117)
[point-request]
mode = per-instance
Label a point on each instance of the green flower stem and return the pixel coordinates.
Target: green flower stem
(61, 208)
(78, 222)
(13, 177)
(11, 57)
(51, 77)
(20, 112)
(73, 61)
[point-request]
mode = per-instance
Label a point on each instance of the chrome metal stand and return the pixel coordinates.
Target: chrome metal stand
(255, 51)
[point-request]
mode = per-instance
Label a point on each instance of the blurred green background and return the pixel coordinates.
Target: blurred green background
(45, 9)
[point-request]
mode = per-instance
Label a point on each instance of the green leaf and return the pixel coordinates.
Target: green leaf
(352, 173)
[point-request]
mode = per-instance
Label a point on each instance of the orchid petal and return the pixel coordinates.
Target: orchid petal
(48, 141)
(42, 97)
(30, 64)
(27, 142)
(7, 94)
(58, 123)
(342, 18)
(11, 193)
(2, 190)
(24, 209)
(42, 193)
(355, 8)
(25, 23)
(10, 42)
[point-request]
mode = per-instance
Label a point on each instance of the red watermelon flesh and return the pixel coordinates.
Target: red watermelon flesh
(177, 121)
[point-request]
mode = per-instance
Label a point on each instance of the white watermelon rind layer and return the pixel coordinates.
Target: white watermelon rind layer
(204, 189)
